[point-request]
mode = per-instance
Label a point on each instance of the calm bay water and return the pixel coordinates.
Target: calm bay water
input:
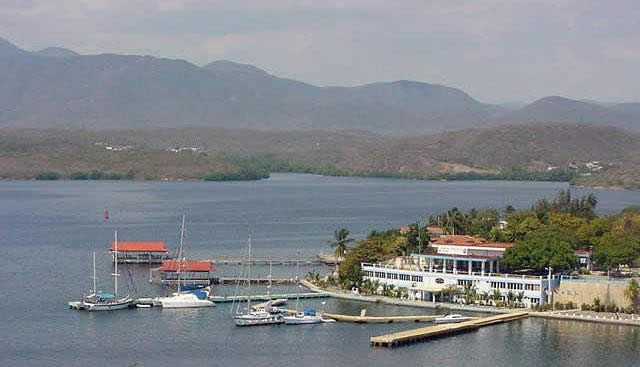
(48, 229)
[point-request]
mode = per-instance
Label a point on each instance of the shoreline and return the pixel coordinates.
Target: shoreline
(568, 315)
(166, 179)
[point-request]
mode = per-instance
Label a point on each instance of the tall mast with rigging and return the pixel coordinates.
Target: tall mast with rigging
(180, 254)
(115, 264)
(95, 291)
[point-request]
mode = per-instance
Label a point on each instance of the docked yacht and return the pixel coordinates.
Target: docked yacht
(99, 301)
(181, 298)
(267, 315)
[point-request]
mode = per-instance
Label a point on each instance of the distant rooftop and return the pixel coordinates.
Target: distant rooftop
(194, 266)
(139, 246)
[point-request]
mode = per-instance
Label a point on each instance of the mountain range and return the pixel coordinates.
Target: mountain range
(59, 88)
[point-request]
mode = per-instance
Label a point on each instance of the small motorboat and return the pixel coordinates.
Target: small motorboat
(452, 318)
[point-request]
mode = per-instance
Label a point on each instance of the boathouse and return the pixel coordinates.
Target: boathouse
(197, 272)
(136, 252)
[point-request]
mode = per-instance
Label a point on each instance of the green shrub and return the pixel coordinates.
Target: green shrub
(585, 307)
(79, 175)
(46, 176)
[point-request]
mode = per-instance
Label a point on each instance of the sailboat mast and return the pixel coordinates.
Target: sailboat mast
(180, 252)
(269, 287)
(115, 264)
(249, 279)
(297, 282)
(94, 274)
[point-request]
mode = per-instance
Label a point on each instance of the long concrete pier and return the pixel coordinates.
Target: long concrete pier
(415, 335)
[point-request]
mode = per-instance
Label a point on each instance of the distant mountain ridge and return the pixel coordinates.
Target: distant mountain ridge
(59, 88)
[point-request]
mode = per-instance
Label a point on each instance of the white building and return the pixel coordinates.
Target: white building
(459, 261)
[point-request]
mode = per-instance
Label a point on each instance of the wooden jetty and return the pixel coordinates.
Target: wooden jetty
(363, 319)
(415, 335)
(265, 297)
(230, 260)
(315, 260)
(253, 281)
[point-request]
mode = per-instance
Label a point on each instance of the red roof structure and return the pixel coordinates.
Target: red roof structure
(193, 266)
(464, 240)
(137, 246)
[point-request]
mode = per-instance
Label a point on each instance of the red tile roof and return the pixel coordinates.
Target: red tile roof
(137, 246)
(454, 239)
(463, 240)
(495, 244)
(200, 266)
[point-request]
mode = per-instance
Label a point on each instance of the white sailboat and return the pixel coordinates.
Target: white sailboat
(99, 301)
(185, 299)
(308, 316)
(262, 316)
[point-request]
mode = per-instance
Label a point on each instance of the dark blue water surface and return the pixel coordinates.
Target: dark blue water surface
(48, 230)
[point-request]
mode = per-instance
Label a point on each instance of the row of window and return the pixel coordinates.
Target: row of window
(399, 276)
(465, 282)
(515, 286)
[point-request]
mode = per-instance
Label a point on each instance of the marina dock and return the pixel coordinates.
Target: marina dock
(265, 297)
(420, 334)
(229, 260)
(363, 319)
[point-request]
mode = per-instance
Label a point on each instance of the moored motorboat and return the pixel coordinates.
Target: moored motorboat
(308, 316)
(452, 318)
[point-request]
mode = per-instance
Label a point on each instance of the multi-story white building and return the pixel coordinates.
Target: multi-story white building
(459, 261)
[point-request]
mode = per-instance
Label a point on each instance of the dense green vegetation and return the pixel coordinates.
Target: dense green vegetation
(47, 176)
(547, 234)
(513, 174)
(244, 174)
(101, 175)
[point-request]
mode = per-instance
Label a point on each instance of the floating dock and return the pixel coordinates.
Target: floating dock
(415, 335)
(265, 297)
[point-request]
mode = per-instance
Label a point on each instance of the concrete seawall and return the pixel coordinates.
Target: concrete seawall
(408, 303)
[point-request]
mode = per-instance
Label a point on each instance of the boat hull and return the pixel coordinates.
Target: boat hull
(184, 300)
(88, 306)
(293, 320)
(251, 320)
(452, 321)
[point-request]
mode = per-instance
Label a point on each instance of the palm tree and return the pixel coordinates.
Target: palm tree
(632, 292)
(340, 241)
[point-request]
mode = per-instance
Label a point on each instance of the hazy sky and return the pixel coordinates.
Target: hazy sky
(495, 50)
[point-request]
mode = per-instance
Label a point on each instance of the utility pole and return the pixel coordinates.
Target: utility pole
(549, 291)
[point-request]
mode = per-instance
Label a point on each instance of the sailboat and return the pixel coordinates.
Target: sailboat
(308, 316)
(182, 298)
(98, 301)
(255, 317)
